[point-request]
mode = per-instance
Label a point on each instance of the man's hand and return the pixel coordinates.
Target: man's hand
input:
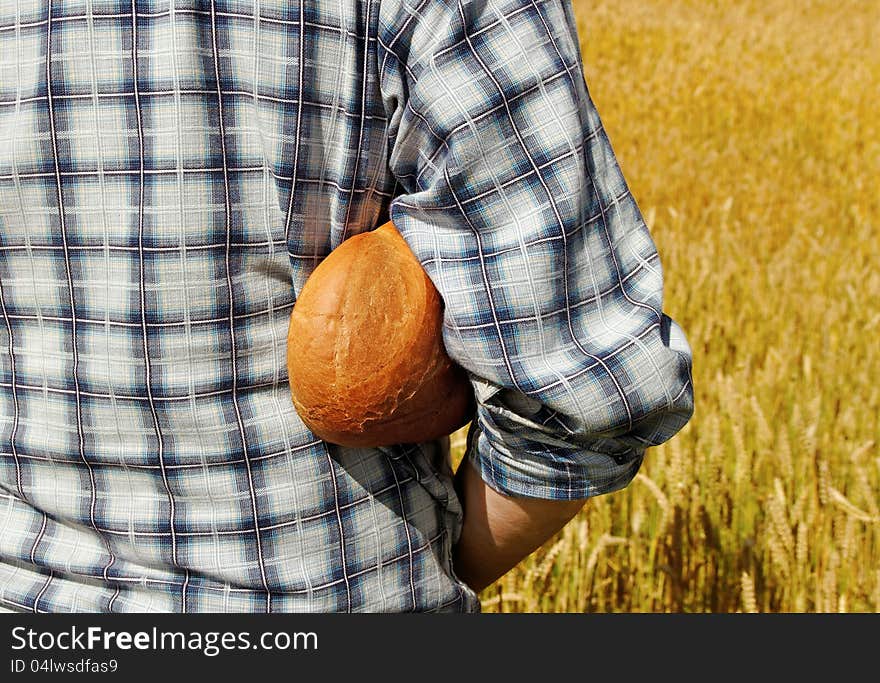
(499, 530)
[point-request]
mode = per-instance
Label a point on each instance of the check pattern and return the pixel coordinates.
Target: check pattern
(171, 172)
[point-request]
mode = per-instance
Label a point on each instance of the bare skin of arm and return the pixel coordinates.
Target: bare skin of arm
(498, 530)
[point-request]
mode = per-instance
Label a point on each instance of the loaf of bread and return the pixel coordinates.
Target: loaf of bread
(365, 353)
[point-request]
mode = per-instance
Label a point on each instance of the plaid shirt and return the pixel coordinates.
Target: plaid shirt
(171, 172)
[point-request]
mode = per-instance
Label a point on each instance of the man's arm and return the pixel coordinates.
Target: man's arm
(514, 203)
(499, 531)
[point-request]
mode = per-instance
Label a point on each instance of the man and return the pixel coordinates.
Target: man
(170, 174)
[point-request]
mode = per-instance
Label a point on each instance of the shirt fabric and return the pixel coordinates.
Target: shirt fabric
(171, 172)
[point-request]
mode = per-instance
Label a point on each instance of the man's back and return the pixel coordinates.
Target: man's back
(151, 250)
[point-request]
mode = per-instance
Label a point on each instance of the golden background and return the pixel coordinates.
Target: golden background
(749, 133)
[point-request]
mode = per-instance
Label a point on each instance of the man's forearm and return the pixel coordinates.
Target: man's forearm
(499, 531)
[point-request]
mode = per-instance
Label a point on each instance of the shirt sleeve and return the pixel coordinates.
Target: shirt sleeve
(514, 203)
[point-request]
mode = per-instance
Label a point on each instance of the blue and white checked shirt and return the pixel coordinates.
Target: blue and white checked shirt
(171, 172)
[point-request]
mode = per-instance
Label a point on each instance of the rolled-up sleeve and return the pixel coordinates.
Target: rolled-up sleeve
(513, 201)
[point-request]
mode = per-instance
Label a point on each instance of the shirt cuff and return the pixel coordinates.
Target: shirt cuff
(519, 456)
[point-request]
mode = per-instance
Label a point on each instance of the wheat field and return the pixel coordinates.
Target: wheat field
(749, 133)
